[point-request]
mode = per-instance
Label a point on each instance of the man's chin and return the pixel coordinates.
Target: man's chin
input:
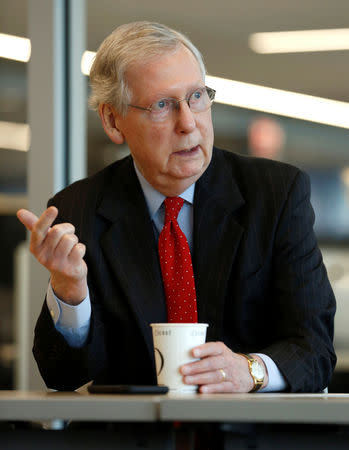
(190, 169)
(189, 175)
(185, 179)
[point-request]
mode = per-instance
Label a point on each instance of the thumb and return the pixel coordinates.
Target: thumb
(27, 218)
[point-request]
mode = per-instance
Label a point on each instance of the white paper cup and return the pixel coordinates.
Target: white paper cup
(173, 343)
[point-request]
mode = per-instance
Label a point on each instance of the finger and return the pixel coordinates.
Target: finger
(76, 256)
(77, 253)
(42, 226)
(65, 246)
(204, 365)
(208, 349)
(56, 233)
(211, 377)
(45, 250)
(226, 386)
(27, 218)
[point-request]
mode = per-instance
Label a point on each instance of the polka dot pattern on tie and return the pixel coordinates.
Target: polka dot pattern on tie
(176, 266)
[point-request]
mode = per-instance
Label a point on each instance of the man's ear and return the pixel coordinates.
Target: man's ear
(109, 118)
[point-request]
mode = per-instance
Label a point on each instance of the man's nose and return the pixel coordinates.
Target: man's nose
(185, 122)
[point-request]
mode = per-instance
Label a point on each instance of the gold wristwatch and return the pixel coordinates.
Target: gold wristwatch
(256, 370)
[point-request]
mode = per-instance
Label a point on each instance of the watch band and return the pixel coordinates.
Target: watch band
(258, 383)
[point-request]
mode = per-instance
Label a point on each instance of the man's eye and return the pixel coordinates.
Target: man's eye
(160, 105)
(197, 95)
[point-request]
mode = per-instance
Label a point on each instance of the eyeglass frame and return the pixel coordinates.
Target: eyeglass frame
(176, 102)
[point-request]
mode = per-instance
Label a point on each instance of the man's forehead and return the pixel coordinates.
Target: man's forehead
(171, 74)
(155, 55)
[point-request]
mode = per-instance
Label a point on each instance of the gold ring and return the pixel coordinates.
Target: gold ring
(224, 375)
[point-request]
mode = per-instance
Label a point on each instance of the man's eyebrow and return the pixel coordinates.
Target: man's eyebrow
(192, 89)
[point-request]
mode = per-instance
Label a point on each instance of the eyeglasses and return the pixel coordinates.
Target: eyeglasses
(198, 101)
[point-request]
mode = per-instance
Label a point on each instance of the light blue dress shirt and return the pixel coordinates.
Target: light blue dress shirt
(73, 322)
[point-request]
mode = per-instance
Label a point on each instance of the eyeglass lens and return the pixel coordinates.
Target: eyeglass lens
(199, 101)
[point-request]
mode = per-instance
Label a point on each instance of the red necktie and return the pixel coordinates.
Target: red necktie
(176, 266)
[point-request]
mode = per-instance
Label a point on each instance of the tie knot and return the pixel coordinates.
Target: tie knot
(172, 207)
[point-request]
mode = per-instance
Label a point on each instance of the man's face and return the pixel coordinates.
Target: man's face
(174, 153)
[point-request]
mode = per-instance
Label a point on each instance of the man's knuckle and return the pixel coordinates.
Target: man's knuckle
(70, 239)
(55, 232)
(43, 259)
(36, 228)
(220, 345)
(68, 226)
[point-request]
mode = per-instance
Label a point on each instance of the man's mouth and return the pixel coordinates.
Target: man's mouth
(188, 151)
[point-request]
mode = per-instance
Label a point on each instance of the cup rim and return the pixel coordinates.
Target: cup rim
(178, 324)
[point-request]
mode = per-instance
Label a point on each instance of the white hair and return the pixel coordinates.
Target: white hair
(128, 44)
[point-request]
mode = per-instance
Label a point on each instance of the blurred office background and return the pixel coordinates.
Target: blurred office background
(222, 30)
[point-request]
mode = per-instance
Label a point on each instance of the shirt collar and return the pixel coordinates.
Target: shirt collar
(155, 199)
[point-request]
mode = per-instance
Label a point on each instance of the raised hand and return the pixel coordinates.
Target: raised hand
(58, 249)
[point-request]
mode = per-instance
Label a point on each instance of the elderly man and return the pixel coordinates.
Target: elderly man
(254, 269)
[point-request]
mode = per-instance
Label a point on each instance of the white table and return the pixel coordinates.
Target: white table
(150, 418)
(43, 406)
(100, 422)
(257, 408)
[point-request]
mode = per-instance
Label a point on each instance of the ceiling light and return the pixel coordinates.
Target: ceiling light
(283, 103)
(14, 47)
(300, 41)
(14, 136)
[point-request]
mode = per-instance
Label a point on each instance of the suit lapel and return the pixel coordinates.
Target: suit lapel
(130, 248)
(216, 238)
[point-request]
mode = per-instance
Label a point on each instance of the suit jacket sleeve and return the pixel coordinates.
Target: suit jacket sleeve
(61, 366)
(64, 367)
(103, 208)
(261, 282)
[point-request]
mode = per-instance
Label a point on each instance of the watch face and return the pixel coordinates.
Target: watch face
(257, 370)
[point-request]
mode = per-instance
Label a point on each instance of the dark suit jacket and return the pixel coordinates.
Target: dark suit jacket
(261, 283)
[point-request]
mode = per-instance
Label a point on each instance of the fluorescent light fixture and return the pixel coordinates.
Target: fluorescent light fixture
(300, 41)
(86, 61)
(14, 47)
(283, 103)
(14, 136)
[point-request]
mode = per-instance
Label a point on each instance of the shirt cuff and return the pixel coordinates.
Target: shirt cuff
(68, 316)
(277, 382)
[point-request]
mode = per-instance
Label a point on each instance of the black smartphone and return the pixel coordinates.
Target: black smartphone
(126, 389)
